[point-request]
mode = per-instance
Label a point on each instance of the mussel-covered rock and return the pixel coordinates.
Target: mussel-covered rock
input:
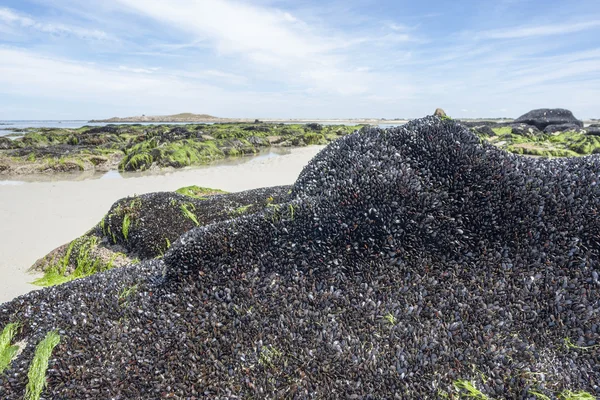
(483, 130)
(543, 117)
(594, 131)
(525, 130)
(562, 128)
(412, 262)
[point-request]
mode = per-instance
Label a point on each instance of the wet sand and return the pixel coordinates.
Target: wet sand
(37, 217)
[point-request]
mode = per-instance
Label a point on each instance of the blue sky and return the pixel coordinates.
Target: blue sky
(73, 59)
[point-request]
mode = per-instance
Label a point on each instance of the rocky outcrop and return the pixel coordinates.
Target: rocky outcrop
(551, 129)
(412, 261)
(144, 227)
(593, 131)
(525, 130)
(543, 117)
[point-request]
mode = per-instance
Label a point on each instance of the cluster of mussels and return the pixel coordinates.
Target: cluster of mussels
(413, 262)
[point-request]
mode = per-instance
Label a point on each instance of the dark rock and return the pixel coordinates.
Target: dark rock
(594, 125)
(102, 129)
(543, 117)
(483, 130)
(257, 128)
(550, 129)
(593, 131)
(525, 130)
(473, 124)
(314, 126)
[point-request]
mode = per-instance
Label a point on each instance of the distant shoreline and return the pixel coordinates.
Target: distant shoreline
(168, 119)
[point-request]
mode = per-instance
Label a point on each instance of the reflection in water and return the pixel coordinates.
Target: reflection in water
(263, 155)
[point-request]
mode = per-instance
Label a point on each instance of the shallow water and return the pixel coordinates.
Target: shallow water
(263, 154)
(38, 215)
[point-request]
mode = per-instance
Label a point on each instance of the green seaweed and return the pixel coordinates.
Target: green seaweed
(37, 370)
(79, 254)
(467, 389)
(8, 351)
(186, 210)
(198, 192)
(126, 226)
(581, 395)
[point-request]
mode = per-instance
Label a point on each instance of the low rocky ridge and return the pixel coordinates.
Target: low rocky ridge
(144, 227)
(143, 147)
(543, 132)
(416, 262)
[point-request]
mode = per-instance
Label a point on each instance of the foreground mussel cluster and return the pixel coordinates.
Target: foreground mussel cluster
(413, 262)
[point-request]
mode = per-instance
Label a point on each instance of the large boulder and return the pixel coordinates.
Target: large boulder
(543, 117)
(551, 129)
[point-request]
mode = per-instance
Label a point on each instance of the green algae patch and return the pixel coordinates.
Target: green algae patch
(37, 370)
(187, 211)
(199, 192)
(467, 389)
(79, 261)
(504, 130)
(561, 144)
(7, 351)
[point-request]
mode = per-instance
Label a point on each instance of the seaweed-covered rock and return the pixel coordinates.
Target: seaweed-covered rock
(314, 126)
(551, 129)
(5, 143)
(543, 117)
(415, 260)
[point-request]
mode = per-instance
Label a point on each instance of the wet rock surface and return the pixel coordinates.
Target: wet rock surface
(403, 260)
(525, 130)
(543, 117)
(562, 128)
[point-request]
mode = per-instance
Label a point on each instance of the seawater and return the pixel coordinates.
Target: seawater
(8, 127)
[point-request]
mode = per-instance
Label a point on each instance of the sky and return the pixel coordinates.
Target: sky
(73, 59)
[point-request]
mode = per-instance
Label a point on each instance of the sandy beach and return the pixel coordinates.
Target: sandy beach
(37, 217)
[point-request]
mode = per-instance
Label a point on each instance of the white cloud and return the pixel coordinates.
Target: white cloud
(11, 17)
(138, 70)
(538, 30)
(273, 43)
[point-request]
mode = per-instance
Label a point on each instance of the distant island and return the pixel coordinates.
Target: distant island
(191, 117)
